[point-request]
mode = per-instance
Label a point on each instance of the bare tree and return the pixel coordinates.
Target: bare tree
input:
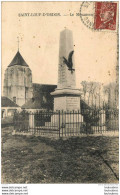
(106, 91)
(93, 90)
(84, 85)
(111, 93)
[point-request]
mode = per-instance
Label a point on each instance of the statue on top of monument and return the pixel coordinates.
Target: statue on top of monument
(69, 62)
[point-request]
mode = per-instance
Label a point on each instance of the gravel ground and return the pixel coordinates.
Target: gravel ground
(74, 160)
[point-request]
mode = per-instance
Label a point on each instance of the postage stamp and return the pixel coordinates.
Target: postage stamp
(105, 15)
(99, 15)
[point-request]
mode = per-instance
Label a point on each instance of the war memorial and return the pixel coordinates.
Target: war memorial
(67, 117)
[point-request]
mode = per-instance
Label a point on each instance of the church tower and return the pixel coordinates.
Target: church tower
(18, 81)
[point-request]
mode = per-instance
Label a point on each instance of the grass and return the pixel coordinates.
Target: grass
(44, 160)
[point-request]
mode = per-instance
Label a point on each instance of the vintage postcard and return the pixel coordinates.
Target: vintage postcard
(60, 93)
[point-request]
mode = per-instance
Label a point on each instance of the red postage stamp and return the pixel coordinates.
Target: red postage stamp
(105, 15)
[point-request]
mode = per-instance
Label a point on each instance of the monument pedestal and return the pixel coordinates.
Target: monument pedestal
(66, 99)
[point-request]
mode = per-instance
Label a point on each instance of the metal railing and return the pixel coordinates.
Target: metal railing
(69, 123)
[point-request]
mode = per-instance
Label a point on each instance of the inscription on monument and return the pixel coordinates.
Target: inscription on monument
(73, 103)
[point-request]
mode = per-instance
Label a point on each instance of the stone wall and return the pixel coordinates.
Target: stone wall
(18, 84)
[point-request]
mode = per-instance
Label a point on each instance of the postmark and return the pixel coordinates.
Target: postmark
(87, 13)
(99, 15)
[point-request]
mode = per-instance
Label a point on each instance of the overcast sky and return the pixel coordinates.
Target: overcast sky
(95, 52)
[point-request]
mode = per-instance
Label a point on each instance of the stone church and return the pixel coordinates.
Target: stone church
(18, 81)
(19, 88)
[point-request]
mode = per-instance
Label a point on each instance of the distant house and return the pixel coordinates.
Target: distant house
(33, 104)
(42, 99)
(8, 107)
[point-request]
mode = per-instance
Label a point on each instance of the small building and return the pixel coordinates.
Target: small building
(42, 99)
(33, 105)
(8, 107)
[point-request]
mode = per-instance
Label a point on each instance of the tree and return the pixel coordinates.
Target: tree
(84, 85)
(92, 90)
(111, 95)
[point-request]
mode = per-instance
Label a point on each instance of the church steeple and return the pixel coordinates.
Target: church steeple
(18, 60)
(18, 42)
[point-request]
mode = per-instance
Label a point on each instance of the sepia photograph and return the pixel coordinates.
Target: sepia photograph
(60, 92)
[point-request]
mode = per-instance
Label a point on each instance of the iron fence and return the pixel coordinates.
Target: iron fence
(69, 123)
(21, 121)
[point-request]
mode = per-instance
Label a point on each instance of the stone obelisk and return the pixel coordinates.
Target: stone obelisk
(66, 96)
(65, 78)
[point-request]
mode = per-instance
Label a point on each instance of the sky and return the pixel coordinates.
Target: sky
(95, 53)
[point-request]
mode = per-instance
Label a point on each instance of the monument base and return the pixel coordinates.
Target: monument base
(65, 118)
(66, 99)
(69, 119)
(67, 103)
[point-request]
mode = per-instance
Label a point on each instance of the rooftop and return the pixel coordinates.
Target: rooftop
(6, 102)
(18, 60)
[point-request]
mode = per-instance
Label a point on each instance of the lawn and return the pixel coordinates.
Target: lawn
(32, 159)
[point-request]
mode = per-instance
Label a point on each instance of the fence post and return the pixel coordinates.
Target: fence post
(102, 120)
(59, 122)
(31, 121)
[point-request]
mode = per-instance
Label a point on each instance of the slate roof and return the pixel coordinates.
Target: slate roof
(18, 60)
(6, 102)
